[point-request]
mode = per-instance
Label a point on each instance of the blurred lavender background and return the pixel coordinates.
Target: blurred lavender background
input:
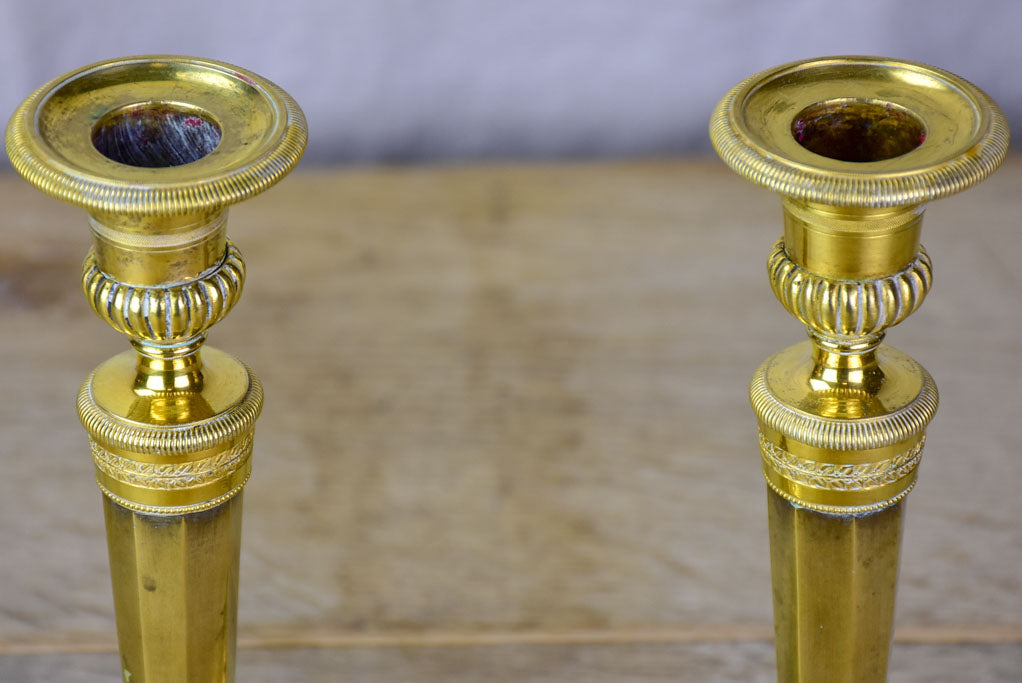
(456, 80)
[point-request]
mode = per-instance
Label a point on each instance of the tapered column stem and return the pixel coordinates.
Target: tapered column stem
(834, 579)
(175, 581)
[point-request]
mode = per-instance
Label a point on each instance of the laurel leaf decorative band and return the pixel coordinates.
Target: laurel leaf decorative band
(166, 314)
(840, 488)
(848, 307)
(170, 476)
(840, 477)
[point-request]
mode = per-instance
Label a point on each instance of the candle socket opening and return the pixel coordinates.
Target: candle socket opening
(857, 130)
(156, 134)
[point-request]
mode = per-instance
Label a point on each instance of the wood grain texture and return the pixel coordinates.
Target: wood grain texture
(513, 400)
(744, 662)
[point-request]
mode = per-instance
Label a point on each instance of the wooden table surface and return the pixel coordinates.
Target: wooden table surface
(506, 434)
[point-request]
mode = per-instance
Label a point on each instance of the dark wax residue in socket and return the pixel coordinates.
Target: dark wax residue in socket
(155, 136)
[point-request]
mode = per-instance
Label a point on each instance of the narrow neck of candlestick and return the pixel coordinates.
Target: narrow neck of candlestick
(162, 370)
(846, 365)
(847, 243)
(158, 250)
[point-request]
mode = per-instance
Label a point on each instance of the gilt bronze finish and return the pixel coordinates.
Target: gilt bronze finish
(855, 146)
(156, 149)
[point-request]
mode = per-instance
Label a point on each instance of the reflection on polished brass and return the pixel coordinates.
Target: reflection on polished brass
(156, 149)
(855, 146)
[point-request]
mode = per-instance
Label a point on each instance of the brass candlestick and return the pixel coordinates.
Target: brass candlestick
(156, 149)
(854, 146)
